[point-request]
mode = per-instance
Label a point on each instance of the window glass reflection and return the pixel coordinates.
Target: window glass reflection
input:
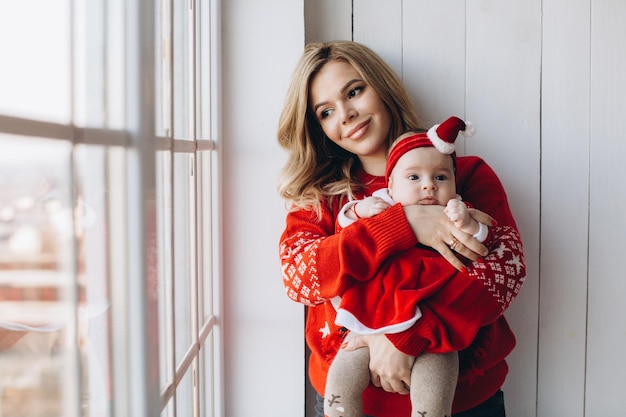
(37, 291)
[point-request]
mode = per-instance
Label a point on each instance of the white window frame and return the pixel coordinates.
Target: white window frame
(137, 389)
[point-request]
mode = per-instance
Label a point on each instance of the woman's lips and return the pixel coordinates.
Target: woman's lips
(358, 131)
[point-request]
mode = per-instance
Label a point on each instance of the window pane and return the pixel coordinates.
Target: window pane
(206, 234)
(89, 74)
(183, 108)
(98, 76)
(163, 70)
(115, 85)
(204, 49)
(184, 396)
(38, 336)
(207, 379)
(167, 409)
(184, 253)
(164, 224)
(92, 225)
(35, 75)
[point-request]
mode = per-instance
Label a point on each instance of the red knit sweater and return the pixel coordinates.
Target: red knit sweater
(388, 302)
(463, 313)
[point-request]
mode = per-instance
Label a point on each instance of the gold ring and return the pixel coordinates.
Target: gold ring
(453, 243)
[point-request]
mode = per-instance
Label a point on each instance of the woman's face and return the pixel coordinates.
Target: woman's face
(351, 113)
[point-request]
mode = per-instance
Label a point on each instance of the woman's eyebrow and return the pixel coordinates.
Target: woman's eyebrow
(318, 105)
(349, 83)
(343, 90)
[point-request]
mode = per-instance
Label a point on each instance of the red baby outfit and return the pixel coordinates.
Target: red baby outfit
(460, 311)
(388, 302)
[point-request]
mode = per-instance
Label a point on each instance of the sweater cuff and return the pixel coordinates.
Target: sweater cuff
(392, 232)
(483, 232)
(408, 343)
(342, 219)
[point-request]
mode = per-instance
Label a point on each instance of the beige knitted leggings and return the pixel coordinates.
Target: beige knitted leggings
(433, 382)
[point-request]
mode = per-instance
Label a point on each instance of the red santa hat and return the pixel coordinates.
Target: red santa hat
(441, 136)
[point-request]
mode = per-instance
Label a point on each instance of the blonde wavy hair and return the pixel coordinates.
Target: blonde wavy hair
(317, 168)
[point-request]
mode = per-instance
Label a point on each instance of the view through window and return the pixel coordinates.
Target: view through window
(109, 237)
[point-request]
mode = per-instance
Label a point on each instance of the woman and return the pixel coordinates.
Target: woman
(343, 108)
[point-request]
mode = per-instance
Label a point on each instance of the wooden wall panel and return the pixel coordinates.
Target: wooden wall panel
(433, 49)
(327, 20)
(378, 24)
(606, 336)
(257, 317)
(564, 212)
(503, 68)
(543, 82)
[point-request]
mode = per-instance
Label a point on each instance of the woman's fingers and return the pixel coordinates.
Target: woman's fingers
(393, 385)
(469, 247)
(472, 250)
(433, 228)
(390, 369)
(482, 217)
(445, 251)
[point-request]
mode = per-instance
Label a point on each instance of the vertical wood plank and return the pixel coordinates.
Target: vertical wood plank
(433, 43)
(378, 25)
(564, 155)
(260, 44)
(327, 20)
(606, 337)
(503, 99)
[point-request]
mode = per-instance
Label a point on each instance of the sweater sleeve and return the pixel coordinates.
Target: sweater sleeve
(452, 317)
(318, 264)
(343, 220)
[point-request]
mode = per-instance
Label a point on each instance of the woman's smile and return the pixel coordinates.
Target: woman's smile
(359, 131)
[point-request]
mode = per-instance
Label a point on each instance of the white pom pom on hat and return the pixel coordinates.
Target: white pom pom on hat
(444, 135)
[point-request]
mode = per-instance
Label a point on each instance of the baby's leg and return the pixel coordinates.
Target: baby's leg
(348, 377)
(433, 382)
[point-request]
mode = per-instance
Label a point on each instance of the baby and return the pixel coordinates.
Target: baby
(420, 170)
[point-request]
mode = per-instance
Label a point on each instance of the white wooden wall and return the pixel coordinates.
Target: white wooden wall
(263, 329)
(544, 82)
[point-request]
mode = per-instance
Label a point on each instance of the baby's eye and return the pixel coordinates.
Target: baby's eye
(441, 177)
(413, 177)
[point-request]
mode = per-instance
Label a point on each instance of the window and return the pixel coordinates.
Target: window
(109, 216)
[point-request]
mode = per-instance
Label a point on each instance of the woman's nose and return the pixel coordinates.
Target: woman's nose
(348, 113)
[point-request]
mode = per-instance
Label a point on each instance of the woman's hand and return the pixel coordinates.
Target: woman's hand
(434, 229)
(390, 369)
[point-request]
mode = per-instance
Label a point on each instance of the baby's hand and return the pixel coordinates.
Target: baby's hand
(457, 212)
(370, 207)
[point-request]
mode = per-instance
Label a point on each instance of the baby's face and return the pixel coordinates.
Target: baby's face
(423, 176)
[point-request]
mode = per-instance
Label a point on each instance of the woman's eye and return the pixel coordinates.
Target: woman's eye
(355, 91)
(325, 113)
